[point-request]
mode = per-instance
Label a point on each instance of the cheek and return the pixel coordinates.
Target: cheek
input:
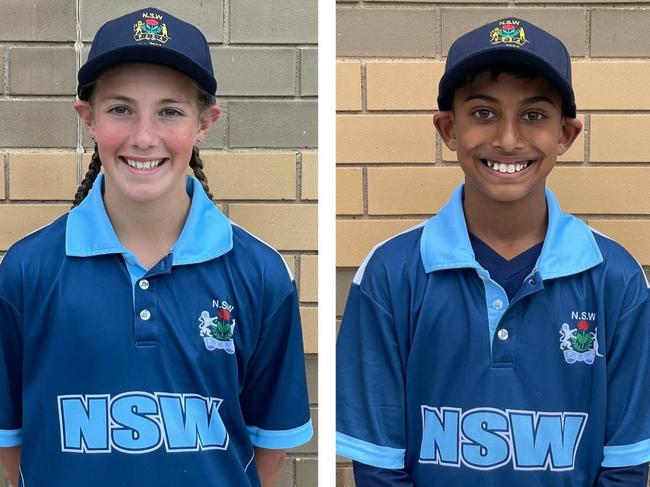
(180, 140)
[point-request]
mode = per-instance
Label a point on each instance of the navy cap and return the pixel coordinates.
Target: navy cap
(152, 36)
(503, 42)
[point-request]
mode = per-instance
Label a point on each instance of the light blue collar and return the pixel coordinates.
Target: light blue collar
(207, 233)
(569, 246)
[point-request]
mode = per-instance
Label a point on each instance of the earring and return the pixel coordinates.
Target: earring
(198, 141)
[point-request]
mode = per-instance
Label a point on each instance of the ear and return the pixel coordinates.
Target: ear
(208, 117)
(444, 123)
(571, 128)
(85, 112)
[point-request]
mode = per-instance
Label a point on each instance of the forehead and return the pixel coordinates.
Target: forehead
(508, 88)
(142, 77)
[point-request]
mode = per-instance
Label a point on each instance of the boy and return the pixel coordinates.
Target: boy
(502, 341)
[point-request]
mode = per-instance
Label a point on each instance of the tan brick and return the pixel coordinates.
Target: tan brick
(343, 282)
(285, 227)
(355, 238)
(606, 190)
(2, 183)
(42, 176)
(17, 221)
(307, 472)
(403, 85)
(634, 235)
(348, 85)
(566, 23)
(620, 138)
(384, 32)
(309, 318)
(309, 188)
(385, 138)
(410, 191)
(608, 39)
(42, 70)
(576, 152)
(290, 259)
(344, 476)
(251, 175)
(611, 84)
(349, 191)
(309, 278)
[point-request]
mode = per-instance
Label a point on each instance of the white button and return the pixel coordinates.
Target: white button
(497, 304)
(145, 314)
(144, 284)
(502, 334)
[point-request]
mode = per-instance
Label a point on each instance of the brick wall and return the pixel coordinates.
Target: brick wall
(392, 169)
(265, 59)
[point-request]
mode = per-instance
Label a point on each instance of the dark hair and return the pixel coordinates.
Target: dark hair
(205, 100)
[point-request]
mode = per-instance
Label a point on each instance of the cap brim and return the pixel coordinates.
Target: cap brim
(90, 71)
(488, 59)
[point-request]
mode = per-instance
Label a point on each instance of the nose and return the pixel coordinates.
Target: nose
(508, 137)
(144, 133)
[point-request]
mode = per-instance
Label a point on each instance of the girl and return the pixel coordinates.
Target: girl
(144, 338)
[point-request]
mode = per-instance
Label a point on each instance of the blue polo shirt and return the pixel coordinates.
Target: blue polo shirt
(112, 374)
(438, 372)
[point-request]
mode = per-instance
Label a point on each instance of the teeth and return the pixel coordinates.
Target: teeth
(506, 168)
(143, 165)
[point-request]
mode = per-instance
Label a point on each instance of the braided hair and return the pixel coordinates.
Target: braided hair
(88, 180)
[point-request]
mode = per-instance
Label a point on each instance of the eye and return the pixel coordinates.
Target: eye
(119, 110)
(534, 116)
(484, 114)
(171, 112)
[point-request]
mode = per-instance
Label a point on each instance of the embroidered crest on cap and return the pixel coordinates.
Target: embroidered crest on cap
(579, 344)
(218, 331)
(509, 32)
(151, 28)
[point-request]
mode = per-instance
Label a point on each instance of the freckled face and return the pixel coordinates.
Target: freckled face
(507, 134)
(145, 119)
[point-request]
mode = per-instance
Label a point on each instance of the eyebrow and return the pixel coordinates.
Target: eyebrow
(532, 99)
(133, 101)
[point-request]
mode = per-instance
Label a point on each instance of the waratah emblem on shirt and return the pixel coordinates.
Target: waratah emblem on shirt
(150, 28)
(218, 331)
(579, 344)
(509, 32)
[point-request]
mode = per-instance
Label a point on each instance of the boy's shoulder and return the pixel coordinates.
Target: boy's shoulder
(394, 254)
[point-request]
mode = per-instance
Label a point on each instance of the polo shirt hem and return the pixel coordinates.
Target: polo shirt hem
(369, 453)
(9, 438)
(626, 455)
(279, 439)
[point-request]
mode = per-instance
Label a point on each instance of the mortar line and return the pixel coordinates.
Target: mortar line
(6, 175)
(587, 32)
(78, 47)
(298, 176)
(226, 22)
(297, 78)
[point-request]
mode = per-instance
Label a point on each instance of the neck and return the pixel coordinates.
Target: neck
(510, 228)
(148, 229)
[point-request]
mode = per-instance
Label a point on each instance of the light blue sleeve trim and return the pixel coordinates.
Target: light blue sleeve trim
(279, 439)
(11, 438)
(626, 455)
(369, 453)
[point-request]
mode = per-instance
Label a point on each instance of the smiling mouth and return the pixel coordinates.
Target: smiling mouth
(509, 168)
(143, 165)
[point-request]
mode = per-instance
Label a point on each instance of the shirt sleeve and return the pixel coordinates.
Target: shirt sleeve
(370, 409)
(274, 398)
(636, 476)
(627, 438)
(368, 476)
(10, 374)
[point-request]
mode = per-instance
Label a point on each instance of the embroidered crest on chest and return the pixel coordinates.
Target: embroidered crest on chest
(580, 343)
(218, 331)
